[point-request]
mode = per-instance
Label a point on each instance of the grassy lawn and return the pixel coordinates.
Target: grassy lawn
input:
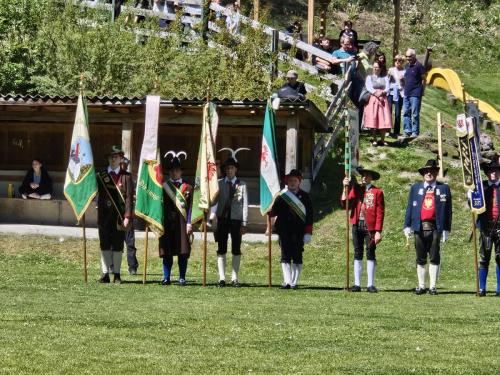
(51, 322)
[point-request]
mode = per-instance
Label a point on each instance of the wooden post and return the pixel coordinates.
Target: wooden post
(204, 254)
(269, 252)
(274, 56)
(310, 22)
(440, 144)
(85, 276)
(256, 10)
(396, 32)
(322, 18)
(145, 271)
(127, 140)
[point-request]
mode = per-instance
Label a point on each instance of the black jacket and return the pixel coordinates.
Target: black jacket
(45, 183)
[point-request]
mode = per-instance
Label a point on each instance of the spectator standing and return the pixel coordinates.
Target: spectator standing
(37, 183)
(377, 114)
(396, 94)
(349, 32)
(323, 65)
(414, 86)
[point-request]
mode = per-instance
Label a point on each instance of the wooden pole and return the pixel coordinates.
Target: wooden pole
(440, 144)
(474, 238)
(145, 271)
(204, 270)
(396, 32)
(473, 223)
(269, 252)
(85, 275)
(310, 22)
(256, 10)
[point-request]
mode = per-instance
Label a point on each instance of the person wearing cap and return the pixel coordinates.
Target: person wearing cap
(177, 203)
(132, 262)
(114, 213)
(294, 223)
(293, 89)
(231, 210)
(489, 226)
(428, 215)
(366, 202)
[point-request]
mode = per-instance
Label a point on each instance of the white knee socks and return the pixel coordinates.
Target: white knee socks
(358, 270)
(117, 261)
(297, 269)
(370, 269)
(106, 260)
(433, 274)
(221, 265)
(236, 267)
(421, 276)
(287, 273)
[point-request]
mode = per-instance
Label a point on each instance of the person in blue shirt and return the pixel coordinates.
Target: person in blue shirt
(414, 86)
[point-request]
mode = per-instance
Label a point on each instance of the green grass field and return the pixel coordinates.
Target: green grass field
(52, 323)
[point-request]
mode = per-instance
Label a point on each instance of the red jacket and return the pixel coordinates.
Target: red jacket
(374, 206)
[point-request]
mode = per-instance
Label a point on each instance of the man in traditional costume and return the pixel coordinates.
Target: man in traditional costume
(366, 202)
(114, 213)
(231, 210)
(489, 225)
(177, 198)
(133, 263)
(294, 223)
(428, 215)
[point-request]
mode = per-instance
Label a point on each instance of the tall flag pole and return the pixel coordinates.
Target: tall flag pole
(206, 187)
(269, 177)
(149, 191)
(348, 172)
(80, 184)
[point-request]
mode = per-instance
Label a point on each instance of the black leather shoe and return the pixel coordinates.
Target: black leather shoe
(104, 279)
(182, 282)
(356, 288)
(419, 291)
(166, 282)
(285, 286)
(372, 289)
(132, 272)
(497, 294)
(117, 279)
(235, 284)
(482, 293)
(221, 284)
(433, 292)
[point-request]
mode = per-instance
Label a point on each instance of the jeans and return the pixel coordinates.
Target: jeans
(411, 114)
(397, 106)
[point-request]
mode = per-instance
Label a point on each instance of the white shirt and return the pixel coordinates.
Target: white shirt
(117, 170)
(232, 181)
(427, 184)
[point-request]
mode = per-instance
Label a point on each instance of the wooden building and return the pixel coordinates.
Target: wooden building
(41, 127)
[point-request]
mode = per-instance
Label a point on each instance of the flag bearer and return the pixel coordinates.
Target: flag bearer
(114, 213)
(177, 198)
(488, 223)
(232, 218)
(428, 215)
(366, 203)
(294, 223)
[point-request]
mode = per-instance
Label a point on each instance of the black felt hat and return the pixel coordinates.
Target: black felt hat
(174, 159)
(488, 166)
(115, 150)
(294, 173)
(231, 162)
(375, 175)
(430, 165)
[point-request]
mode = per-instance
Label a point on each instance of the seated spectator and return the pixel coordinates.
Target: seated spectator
(377, 114)
(293, 89)
(396, 80)
(349, 32)
(323, 65)
(37, 183)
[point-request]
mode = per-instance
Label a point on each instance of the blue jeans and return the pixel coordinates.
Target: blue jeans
(397, 106)
(411, 114)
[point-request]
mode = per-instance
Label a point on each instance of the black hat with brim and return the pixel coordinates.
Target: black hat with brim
(231, 162)
(294, 173)
(488, 166)
(116, 150)
(174, 163)
(375, 175)
(431, 165)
